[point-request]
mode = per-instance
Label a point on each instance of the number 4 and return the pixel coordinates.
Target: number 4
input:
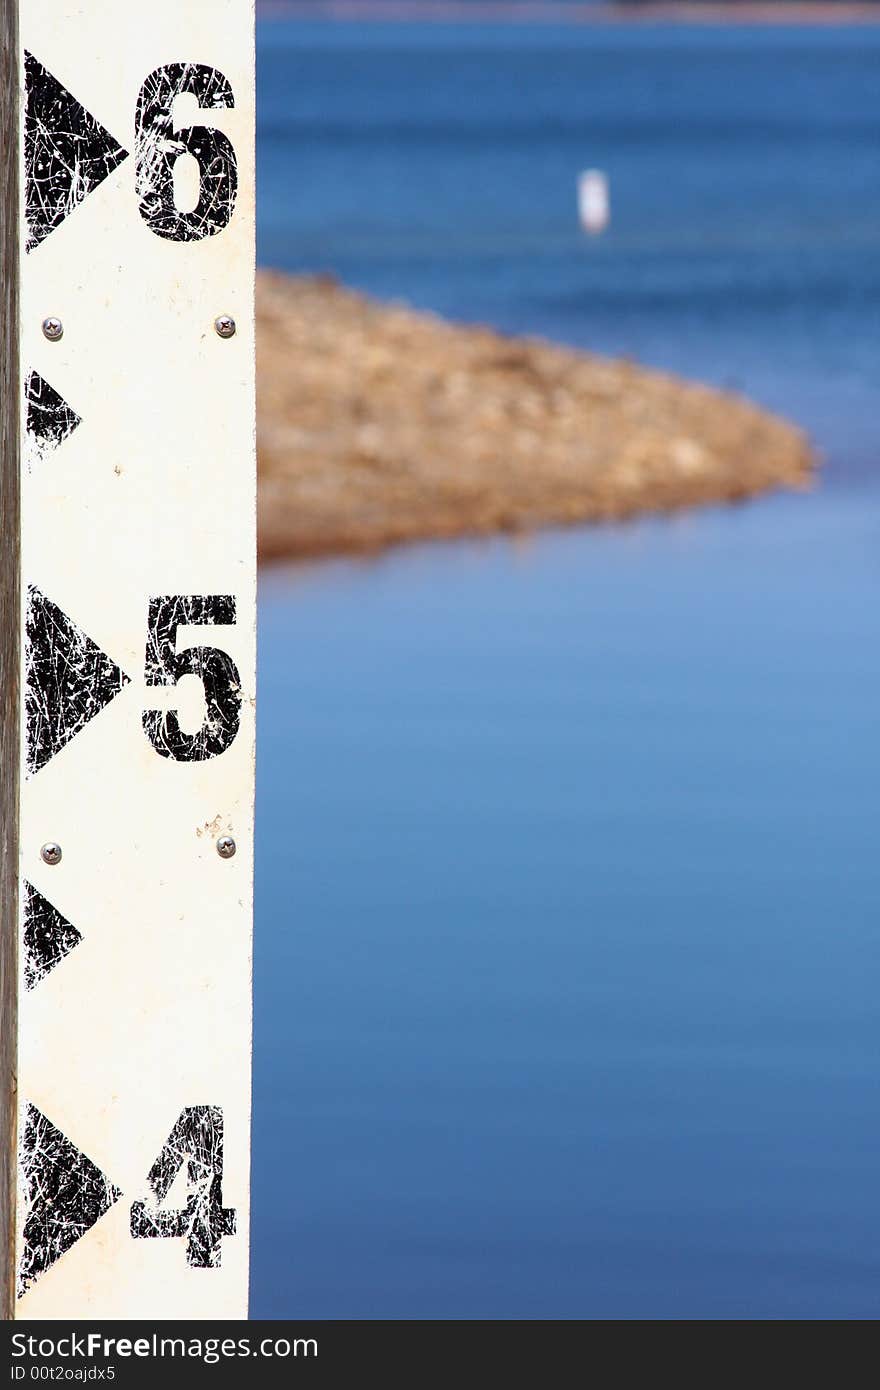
(197, 1138)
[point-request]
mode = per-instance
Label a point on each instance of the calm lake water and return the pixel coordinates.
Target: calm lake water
(567, 900)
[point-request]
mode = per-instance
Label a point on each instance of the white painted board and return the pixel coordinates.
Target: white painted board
(138, 569)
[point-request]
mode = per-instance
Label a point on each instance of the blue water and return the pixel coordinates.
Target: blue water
(567, 898)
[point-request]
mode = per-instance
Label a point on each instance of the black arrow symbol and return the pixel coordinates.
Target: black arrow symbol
(50, 420)
(67, 152)
(47, 937)
(68, 680)
(65, 1194)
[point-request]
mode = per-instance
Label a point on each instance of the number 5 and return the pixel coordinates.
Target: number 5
(164, 665)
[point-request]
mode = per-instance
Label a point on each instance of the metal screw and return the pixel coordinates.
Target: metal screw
(53, 329)
(51, 853)
(225, 326)
(226, 847)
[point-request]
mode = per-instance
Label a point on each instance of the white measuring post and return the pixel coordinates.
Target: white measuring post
(128, 656)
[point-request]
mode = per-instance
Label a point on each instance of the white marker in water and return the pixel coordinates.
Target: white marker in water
(594, 203)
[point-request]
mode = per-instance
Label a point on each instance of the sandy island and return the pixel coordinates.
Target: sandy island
(378, 425)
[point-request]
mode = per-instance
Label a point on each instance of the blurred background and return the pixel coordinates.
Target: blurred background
(567, 874)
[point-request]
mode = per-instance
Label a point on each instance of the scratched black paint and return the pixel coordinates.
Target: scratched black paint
(47, 937)
(49, 419)
(68, 680)
(197, 1140)
(65, 1194)
(67, 152)
(164, 665)
(159, 145)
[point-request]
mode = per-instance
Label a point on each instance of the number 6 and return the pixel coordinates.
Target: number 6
(159, 146)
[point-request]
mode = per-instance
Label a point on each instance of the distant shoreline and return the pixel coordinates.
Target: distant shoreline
(790, 13)
(378, 425)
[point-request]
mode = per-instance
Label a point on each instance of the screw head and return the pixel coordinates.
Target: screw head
(51, 853)
(224, 326)
(226, 847)
(53, 329)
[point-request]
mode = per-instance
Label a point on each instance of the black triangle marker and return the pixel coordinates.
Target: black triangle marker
(47, 937)
(50, 420)
(68, 680)
(65, 1194)
(67, 153)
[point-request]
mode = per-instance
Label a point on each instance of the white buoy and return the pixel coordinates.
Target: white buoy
(594, 203)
